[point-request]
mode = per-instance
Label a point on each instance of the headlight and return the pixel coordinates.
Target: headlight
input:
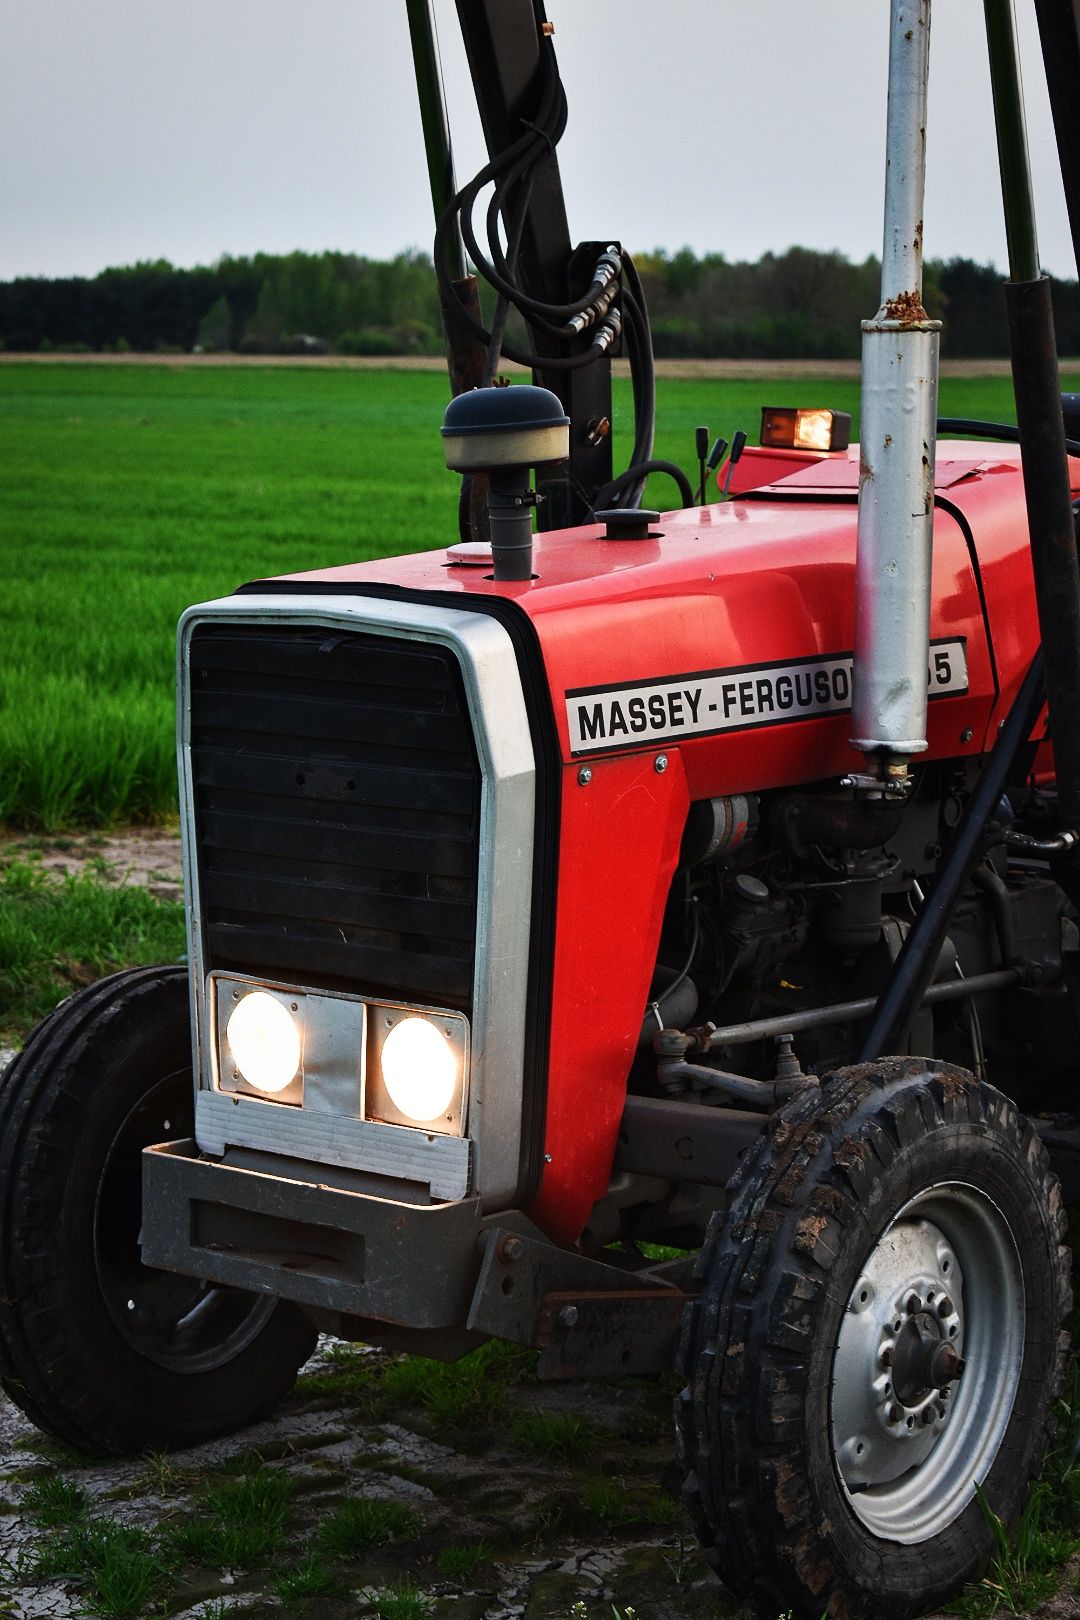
(328, 1053)
(419, 1069)
(416, 1068)
(264, 1042)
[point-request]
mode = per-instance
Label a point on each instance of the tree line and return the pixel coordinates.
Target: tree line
(800, 304)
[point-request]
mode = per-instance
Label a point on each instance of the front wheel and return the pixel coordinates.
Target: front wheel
(880, 1330)
(106, 1353)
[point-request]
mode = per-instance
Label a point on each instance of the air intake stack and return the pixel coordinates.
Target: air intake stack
(503, 432)
(899, 414)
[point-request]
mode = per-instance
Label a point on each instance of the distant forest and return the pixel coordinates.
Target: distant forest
(800, 304)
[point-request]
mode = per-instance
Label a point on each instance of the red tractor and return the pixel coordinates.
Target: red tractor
(704, 877)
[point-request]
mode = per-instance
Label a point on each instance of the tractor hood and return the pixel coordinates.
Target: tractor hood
(732, 623)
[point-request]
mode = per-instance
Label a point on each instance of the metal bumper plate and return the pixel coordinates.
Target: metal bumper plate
(316, 1245)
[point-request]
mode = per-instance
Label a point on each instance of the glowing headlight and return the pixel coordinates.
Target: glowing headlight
(264, 1041)
(419, 1069)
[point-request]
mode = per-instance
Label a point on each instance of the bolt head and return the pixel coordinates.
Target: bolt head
(584, 776)
(568, 1316)
(912, 1304)
(511, 1248)
(660, 764)
(945, 1306)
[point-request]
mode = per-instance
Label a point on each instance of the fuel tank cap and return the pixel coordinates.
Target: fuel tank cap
(628, 523)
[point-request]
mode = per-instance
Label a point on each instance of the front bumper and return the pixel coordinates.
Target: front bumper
(414, 1265)
(421, 1267)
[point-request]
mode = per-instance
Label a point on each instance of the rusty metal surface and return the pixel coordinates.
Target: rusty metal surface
(609, 1334)
(521, 1271)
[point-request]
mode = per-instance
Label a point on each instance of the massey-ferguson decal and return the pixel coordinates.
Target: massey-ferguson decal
(741, 699)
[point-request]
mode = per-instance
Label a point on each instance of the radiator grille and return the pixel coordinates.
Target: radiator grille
(337, 794)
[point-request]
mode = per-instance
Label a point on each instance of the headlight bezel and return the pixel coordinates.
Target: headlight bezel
(341, 1038)
(384, 1018)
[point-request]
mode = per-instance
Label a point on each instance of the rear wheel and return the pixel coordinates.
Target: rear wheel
(109, 1354)
(879, 1330)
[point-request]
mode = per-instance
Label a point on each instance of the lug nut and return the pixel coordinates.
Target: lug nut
(929, 1415)
(896, 1413)
(912, 1304)
(945, 1306)
(886, 1357)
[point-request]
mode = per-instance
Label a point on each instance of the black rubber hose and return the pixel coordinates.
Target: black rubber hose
(606, 494)
(992, 430)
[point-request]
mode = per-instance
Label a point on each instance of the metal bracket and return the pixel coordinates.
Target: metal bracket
(609, 1334)
(533, 1293)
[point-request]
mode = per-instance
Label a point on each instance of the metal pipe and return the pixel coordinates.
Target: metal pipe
(440, 159)
(1012, 140)
(762, 1029)
(899, 411)
(756, 1093)
(1059, 32)
(919, 953)
(1051, 525)
(1037, 387)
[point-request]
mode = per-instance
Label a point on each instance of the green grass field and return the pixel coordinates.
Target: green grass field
(127, 492)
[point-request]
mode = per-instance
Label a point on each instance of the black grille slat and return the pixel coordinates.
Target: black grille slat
(272, 835)
(377, 666)
(312, 957)
(339, 903)
(330, 719)
(398, 788)
(337, 809)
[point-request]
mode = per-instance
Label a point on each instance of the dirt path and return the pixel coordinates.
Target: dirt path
(430, 362)
(146, 856)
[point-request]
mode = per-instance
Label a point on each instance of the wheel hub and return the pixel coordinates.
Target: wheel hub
(940, 1292)
(897, 1355)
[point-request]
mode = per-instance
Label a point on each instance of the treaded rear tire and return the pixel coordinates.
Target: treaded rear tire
(76, 1106)
(809, 1207)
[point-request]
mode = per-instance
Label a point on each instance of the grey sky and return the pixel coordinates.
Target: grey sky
(134, 129)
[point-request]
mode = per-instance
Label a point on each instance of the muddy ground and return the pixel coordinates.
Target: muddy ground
(564, 1493)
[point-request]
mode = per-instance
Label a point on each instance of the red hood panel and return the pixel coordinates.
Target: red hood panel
(764, 582)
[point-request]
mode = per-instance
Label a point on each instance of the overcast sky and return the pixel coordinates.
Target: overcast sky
(184, 129)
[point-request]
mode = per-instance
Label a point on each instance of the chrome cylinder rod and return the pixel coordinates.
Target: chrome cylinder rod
(899, 410)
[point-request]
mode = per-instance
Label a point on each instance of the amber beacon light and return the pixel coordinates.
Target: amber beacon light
(784, 428)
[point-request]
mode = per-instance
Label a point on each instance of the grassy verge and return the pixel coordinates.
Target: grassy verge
(58, 935)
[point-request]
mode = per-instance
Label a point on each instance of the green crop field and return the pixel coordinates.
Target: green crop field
(127, 492)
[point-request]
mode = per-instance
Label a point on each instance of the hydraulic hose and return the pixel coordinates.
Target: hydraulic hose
(992, 430)
(641, 472)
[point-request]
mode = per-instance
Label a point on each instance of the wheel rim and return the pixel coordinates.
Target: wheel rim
(927, 1363)
(181, 1323)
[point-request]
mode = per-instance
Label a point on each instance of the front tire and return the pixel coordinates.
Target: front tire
(104, 1352)
(879, 1329)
